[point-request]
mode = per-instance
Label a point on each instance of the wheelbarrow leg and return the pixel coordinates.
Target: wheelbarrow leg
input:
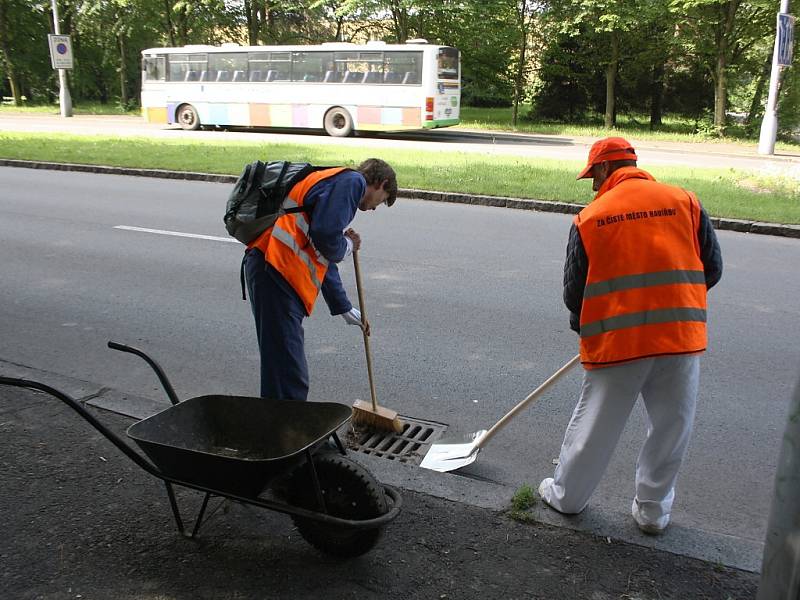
(339, 444)
(200, 516)
(175, 511)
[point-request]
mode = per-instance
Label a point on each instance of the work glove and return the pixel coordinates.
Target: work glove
(353, 317)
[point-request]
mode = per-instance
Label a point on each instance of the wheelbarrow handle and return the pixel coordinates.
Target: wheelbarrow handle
(81, 410)
(162, 377)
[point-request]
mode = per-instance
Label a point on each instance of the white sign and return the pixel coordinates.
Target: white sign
(60, 51)
(785, 39)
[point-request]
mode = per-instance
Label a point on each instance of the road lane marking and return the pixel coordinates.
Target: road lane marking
(198, 236)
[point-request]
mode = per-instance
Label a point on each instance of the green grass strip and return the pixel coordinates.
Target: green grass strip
(724, 193)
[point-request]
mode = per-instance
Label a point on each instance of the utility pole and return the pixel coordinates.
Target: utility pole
(64, 99)
(769, 126)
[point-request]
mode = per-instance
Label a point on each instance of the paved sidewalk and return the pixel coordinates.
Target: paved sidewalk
(81, 520)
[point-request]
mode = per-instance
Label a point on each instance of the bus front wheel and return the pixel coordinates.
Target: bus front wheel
(338, 122)
(187, 117)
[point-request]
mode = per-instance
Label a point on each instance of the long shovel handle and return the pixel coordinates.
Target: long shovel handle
(531, 397)
(363, 310)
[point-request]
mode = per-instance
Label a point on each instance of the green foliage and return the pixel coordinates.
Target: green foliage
(523, 500)
(569, 85)
(724, 192)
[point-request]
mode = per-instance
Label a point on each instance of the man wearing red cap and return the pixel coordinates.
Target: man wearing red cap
(640, 259)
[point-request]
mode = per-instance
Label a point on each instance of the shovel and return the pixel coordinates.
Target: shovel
(455, 453)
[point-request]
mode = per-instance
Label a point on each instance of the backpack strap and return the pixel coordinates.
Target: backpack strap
(241, 275)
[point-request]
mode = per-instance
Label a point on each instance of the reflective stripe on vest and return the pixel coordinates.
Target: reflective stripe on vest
(640, 280)
(645, 292)
(287, 245)
(286, 238)
(648, 317)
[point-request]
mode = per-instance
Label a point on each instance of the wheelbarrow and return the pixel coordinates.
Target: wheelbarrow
(239, 448)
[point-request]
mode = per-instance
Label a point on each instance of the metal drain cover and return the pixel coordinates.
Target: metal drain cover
(408, 447)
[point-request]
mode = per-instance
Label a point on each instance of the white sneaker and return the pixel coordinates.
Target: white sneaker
(648, 528)
(544, 487)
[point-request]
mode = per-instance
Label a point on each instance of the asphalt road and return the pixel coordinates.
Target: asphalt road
(466, 314)
(718, 155)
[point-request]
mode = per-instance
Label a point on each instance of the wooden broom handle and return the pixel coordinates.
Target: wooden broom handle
(531, 397)
(363, 310)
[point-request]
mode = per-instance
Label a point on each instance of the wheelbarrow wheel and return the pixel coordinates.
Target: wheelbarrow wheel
(350, 492)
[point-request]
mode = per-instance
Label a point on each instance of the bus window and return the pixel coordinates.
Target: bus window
(269, 66)
(447, 62)
(311, 66)
(187, 67)
(227, 66)
(359, 67)
(403, 68)
(154, 68)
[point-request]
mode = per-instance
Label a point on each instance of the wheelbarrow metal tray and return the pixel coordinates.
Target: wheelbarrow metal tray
(235, 444)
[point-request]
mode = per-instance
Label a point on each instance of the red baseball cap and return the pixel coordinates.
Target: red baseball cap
(607, 149)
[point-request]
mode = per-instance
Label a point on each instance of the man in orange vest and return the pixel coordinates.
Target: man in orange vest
(290, 263)
(640, 259)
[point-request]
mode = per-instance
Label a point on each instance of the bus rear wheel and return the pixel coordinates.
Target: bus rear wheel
(187, 117)
(338, 122)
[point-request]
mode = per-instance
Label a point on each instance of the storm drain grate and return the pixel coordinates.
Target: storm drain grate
(410, 446)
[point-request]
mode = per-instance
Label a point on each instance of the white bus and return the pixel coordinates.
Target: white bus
(340, 87)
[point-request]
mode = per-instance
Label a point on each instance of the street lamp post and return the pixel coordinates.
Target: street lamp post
(64, 99)
(769, 126)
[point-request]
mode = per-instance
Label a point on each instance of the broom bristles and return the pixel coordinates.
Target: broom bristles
(378, 418)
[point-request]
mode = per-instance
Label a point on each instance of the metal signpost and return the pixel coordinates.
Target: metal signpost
(61, 59)
(781, 58)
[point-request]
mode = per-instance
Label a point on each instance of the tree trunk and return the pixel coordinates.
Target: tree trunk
(720, 94)
(523, 50)
(656, 94)
(123, 73)
(248, 15)
(5, 55)
(611, 80)
(755, 104)
(181, 27)
(170, 26)
(339, 29)
(724, 37)
(268, 22)
(400, 18)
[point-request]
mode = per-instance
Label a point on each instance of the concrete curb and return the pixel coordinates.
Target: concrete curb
(742, 226)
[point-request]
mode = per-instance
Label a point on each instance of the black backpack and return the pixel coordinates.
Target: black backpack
(257, 197)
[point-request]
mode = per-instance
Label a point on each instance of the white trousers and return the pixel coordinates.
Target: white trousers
(668, 386)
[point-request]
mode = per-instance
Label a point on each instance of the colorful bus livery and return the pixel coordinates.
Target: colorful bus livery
(337, 87)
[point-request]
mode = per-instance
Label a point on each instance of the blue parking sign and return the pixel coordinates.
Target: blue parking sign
(785, 39)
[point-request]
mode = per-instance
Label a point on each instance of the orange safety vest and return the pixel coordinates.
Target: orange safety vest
(645, 291)
(287, 245)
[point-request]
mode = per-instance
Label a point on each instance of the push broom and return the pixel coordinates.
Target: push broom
(368, 415)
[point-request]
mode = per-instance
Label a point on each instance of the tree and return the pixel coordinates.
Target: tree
(719, 33)
(23, 28)
(611, 19)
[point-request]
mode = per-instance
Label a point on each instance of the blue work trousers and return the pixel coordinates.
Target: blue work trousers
(279, 315)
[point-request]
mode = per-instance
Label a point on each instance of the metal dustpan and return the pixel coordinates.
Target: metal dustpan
(454, 453)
